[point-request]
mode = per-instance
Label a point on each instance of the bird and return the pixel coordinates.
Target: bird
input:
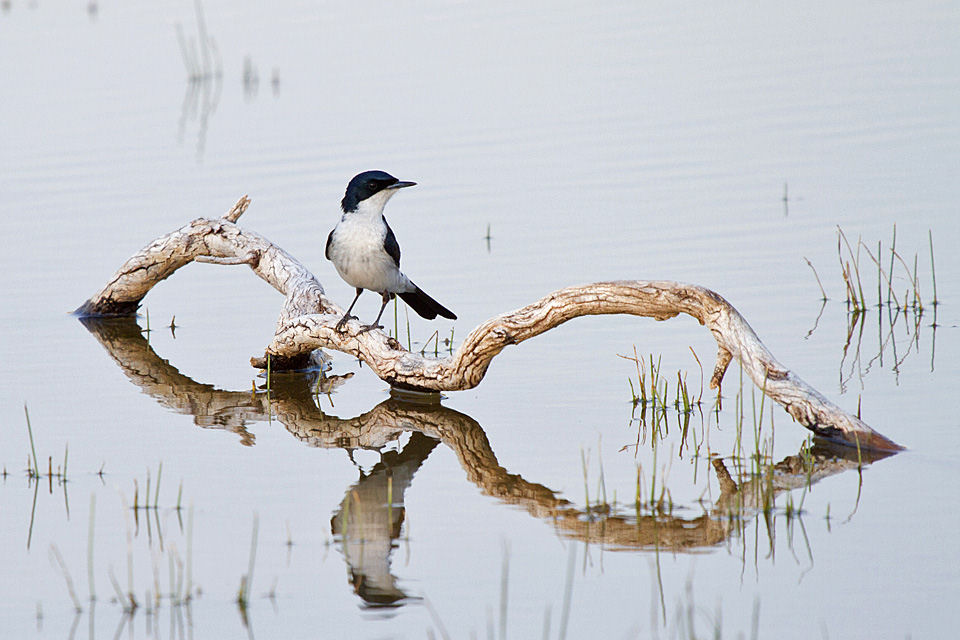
(365, 252)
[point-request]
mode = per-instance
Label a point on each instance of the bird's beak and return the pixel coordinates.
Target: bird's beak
(401, 184)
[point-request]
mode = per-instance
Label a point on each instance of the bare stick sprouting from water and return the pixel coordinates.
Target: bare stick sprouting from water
(35, 471)
(933, 269)
(819, 284)
(93, 504)
(890, 291)
(55, 555)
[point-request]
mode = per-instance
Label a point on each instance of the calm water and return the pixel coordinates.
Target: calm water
(716, 146)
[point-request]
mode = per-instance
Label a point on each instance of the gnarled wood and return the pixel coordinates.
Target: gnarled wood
(308, 318)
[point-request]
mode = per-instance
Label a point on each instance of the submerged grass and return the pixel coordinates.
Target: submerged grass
(853, 282)
(132, 598)
(90, 530)
(246, 581)
(907, 303)
(654, 391)
(933, 269)
(817, 276)
(751, 489)
(55, 555)
(156, 494)
(851, 277)
(34, 470)
(33, 465)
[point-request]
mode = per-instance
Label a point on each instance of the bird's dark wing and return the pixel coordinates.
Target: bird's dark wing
(390, 245)
(326, 251)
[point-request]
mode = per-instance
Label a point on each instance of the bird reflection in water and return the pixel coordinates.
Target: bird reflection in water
(370, 517)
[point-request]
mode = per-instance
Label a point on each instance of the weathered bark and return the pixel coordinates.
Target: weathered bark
(308, 318)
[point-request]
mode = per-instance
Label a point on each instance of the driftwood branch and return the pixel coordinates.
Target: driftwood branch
(308, 318)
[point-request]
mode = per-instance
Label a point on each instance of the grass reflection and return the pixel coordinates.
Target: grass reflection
(906, 308)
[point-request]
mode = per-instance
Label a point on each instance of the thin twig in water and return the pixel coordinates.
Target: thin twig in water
(890, 291)
(35, 471)
(819, 284)
(55, 555)
(933, 270)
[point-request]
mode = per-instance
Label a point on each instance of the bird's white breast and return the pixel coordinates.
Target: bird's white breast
(357, 252)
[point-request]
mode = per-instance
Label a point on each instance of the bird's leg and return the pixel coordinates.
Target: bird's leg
(376, 323)
(347, 315)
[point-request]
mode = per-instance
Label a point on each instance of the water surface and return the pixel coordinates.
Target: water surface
(720, 146)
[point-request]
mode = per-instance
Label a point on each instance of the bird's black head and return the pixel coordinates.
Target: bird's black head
(366, 184)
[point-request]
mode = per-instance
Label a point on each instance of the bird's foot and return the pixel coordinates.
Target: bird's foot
(343, 321)
(369, 327)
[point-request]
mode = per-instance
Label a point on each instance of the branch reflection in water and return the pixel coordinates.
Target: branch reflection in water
(369, 519)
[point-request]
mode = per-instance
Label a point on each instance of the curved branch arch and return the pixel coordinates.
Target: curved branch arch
(308, 318)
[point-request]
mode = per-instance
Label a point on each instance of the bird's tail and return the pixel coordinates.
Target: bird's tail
(424, 305)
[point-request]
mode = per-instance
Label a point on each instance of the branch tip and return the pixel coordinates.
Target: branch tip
(238, 209)
(720, 369)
